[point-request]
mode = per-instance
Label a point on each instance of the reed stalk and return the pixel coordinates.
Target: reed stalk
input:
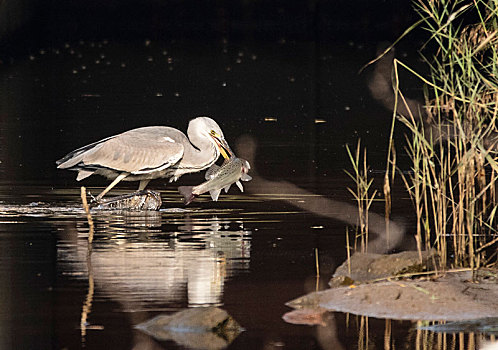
(362, 193)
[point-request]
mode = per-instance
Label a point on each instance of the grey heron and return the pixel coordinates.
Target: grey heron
(150, 152)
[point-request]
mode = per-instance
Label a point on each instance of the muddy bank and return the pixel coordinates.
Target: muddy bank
(455, 296)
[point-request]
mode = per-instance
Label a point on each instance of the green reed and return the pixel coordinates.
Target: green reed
(362, 194)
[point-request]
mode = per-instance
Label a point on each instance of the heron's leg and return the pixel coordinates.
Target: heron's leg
(114, 183)
(143, 184)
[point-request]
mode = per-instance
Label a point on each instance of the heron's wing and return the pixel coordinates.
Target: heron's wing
(73, 158)
(137, 151)
(83, 174)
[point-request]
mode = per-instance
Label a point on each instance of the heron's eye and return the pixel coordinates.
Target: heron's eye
(213, 133)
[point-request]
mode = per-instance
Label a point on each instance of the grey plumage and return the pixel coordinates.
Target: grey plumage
(150, 152)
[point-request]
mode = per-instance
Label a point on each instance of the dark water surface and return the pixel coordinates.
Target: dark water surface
(290, 105)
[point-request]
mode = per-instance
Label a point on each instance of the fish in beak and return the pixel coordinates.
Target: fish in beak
(233, 171)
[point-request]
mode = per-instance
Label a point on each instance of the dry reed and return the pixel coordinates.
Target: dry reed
(453, 142)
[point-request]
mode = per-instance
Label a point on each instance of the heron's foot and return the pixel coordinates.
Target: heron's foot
(93, 200)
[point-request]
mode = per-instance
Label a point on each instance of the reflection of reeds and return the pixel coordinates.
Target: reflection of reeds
(426, 339)
(453, 146)
(419, 338)
(362, 193)
(87, 305)
(363, 337)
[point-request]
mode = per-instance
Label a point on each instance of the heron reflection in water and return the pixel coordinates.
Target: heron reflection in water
(148, 153)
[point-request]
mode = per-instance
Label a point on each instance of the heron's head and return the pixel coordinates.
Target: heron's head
(208, 128)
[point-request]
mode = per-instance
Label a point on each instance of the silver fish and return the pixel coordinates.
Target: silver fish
(218, 178)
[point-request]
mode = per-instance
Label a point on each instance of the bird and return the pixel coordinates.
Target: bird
(150, 152)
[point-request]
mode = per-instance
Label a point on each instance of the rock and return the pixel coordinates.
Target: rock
(340, 281)
(310, 300)
(366, 267)
(453, 297)
(308, 317)
(196, 328)
(363, 287)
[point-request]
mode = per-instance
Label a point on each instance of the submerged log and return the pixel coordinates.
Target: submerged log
(140, 200)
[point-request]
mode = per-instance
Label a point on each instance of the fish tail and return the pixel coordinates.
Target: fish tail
(186, 192)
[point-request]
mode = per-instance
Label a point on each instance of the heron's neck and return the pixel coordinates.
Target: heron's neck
(200, 158)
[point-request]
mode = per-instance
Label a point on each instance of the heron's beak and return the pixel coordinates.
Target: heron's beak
(225, 150)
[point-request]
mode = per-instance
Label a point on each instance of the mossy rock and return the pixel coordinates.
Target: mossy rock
(367, 267)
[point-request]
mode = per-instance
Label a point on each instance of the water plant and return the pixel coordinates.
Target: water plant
(453, 140)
